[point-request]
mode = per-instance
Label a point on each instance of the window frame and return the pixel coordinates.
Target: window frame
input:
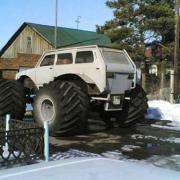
(85, 62)
(45, 57)
(29, 49)
(72, 56)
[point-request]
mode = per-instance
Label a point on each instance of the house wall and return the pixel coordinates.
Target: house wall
(36, 45)
(10, 66)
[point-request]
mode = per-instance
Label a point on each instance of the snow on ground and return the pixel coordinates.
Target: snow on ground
(90, 169)
(6, 153)
(140, 136)
(116, 154)
(129, 148)
(170, 126)
(163, 110)
(72, 153)
(170, 162)
(167, 162)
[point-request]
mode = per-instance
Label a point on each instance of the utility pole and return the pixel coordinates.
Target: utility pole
(78, 21)
(176, 50)
(55, 27)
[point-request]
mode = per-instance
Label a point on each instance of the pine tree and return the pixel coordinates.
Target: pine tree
(137, 22)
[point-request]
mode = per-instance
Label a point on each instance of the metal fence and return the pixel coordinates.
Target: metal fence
(22, 143)
(2, 124)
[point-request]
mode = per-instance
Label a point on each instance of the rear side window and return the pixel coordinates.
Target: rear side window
(65, 58)
(84, 57)
(48, 60)
(115, 57)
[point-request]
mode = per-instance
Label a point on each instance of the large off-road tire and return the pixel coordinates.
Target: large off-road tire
(135, 108)
(12, 99)
(98, 112)
(64, 105)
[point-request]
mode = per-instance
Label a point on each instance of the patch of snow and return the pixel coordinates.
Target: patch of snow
(170, 140)
(6, 153)
(134, 136)
(91, 169)
(137, 136)
(129, 148)
(174, 124)
(163, 110)
(167, 127)
(72, 153)
(114, 155)
(170, 162)
(140, 136)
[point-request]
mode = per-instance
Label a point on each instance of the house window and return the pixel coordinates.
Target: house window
(64, 59)
(29, 44)
(84, 57)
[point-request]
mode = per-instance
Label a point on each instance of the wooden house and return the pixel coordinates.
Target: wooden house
(31, 40)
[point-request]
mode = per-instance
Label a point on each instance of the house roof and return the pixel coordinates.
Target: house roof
(65, 36)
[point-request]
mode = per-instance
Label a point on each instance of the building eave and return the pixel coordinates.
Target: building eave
(16, 34)
(34, 29)
(11, 40)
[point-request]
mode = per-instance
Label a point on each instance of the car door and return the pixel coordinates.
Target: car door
(45, 70)
(86, 66)
(64, 63)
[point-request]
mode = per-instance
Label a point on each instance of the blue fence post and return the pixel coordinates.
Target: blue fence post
(8, 122)
(46, 141)
(8, 117)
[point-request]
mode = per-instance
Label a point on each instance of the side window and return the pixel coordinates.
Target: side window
(84, 57)
(64, 59)
(48, 60)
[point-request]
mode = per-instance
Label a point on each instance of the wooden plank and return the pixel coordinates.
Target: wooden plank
(38, 44)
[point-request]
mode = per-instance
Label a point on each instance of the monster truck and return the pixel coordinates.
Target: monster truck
(68, 83)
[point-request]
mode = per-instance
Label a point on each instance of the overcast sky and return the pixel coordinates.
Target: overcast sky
(14, 12)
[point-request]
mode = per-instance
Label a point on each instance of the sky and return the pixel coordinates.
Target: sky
(14, 12)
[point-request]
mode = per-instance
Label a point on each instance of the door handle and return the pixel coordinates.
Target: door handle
(51, 68)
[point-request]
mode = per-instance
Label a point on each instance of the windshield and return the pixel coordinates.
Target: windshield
(115, 57)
